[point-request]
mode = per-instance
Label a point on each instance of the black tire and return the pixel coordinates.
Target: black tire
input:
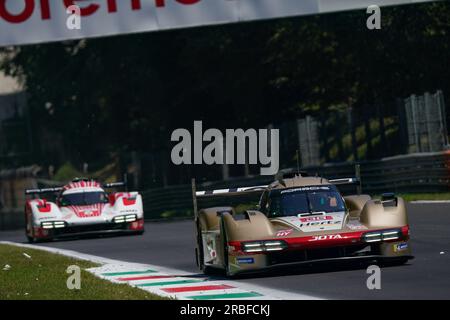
(209, 271)
(226, 263)
(30, 239)
(37, 240)
(199, 251)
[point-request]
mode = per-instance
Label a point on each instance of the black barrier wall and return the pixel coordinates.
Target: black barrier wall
(415, 173)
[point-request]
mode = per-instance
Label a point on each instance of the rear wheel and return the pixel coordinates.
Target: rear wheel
(226, 262)
(29, 232)
(199, 255)
(199, 250)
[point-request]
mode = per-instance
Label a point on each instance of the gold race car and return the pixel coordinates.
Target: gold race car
(300, 220)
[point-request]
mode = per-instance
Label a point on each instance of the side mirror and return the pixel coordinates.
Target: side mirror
(389, 199)
(388, 196)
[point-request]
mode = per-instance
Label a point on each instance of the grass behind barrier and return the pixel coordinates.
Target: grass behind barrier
(425, 196)
(168, 215)
(44, 277)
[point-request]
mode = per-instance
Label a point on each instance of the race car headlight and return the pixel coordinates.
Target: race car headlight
(392, 235)
(386, 235)
(125, 218)
(253, 247)
(53, 224)
(263, 246)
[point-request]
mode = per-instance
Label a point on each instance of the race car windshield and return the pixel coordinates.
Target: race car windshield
(83, 198)
(292, 203)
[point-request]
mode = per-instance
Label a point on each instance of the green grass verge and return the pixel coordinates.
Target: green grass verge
(44, 277)
(253, 205)
(425, 196)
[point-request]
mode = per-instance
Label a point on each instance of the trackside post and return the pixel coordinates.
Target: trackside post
(358, 177)
(194, 198)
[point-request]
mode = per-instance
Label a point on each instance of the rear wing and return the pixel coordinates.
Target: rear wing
(118, 184)
(42, 191)
(259, 189)
(222, 192)
(59, 189)
(356, 180)
(344, 181)
(230, 192)
(114, 185)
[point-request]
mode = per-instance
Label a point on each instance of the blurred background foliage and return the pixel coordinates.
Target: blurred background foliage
(97, 98)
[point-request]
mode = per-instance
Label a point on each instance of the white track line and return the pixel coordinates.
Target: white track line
(117, 266)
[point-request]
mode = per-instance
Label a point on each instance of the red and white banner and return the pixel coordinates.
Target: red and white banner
(35, 21)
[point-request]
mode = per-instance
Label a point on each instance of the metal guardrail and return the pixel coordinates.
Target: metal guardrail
(414, 173)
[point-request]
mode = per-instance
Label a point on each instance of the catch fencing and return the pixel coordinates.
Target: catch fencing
(414, 173)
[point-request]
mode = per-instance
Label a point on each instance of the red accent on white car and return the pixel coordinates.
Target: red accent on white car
(82, 184)
(43, 206)
(88, 211)
(129, 201)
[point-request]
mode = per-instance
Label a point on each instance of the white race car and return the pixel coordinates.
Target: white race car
(83, 207)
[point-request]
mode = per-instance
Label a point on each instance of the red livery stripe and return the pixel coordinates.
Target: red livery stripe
(94, 210)
(198, 288)
(144, 278)
(321, 241)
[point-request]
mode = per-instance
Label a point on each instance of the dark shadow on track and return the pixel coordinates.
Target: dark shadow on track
(85, 237)
(316, 268)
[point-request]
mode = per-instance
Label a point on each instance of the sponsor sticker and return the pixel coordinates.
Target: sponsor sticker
(317, 218)
(319, 225)
(284, 233)
(316, 223)
(88, 213)
(245, 260)
(47, 218)
(327, 237)
(305, 189)
(356, 225)
(400, 247)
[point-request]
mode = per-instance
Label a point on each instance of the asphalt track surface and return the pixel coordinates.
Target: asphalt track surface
(171, 244)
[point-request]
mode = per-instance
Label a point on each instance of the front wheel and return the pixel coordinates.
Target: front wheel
(226, 262)
(199, 254)
(29, 232)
